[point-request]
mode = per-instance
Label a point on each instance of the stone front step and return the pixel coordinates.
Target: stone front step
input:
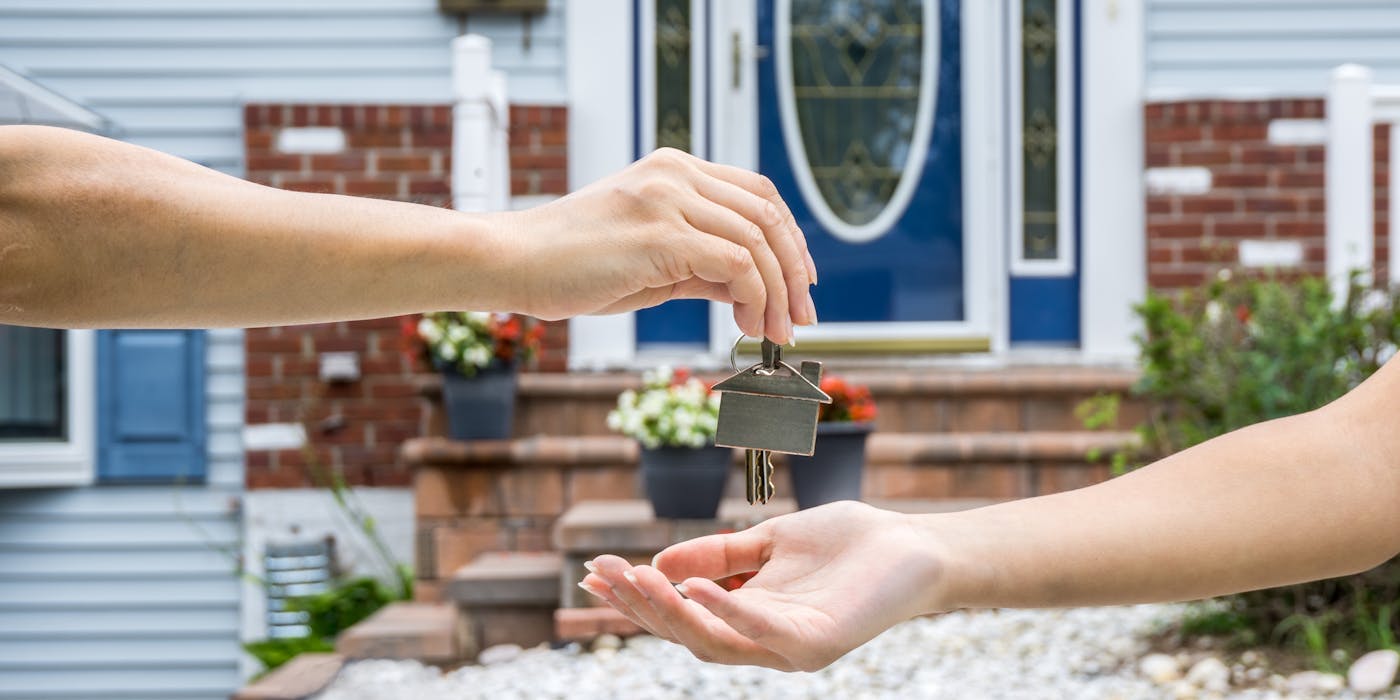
(426, 632)
(1004, 399)
(300, 678)
(544, 475)
(507, 598)
(488, 496)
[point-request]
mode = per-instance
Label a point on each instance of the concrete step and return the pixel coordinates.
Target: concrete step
(507, 598)
(1004, 399)
(426, 632)
(302, 677)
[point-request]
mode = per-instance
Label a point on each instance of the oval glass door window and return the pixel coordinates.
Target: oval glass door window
(857, 82)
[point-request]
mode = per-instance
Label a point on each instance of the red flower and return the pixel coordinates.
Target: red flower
(1242, 313)
(680, 376)
(849, 402)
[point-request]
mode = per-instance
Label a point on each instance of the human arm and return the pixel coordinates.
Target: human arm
(1296, 499)
(95, 232)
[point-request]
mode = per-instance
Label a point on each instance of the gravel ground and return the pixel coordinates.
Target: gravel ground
(1084, 654)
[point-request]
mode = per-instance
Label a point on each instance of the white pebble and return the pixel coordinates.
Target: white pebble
(498, 654)
(1159, 668)
(1373, 672)
(1211, 674)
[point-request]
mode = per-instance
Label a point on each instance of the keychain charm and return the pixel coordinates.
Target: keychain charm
(769, 407)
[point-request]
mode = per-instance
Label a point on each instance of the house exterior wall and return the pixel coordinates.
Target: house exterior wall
(1225, 176)
(397, 152)
(174, 76)
(1248, 48)
(130, 592)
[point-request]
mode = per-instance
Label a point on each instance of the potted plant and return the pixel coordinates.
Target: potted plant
(478, 354)
(674, 417)
(834, 471)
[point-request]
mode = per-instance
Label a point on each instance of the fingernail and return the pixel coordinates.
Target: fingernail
(792, 337)
(631, 577)
(592, 568)
(811, 309)
(654, 559)
(680, 588)
(590, 589)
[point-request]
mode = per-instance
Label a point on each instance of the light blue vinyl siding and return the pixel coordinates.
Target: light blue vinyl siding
(130, 591)
(173, 74)
(1281, 47)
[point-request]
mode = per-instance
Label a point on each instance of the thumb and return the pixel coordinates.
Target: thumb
(714, 556)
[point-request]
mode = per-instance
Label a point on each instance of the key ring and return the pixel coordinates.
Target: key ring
(765, 371)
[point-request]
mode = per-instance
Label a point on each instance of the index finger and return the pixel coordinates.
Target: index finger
(763, 187)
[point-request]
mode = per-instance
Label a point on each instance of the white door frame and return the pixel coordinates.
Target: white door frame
(984, 276)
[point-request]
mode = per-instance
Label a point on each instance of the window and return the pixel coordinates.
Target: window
(47, 407)
(1042, 236)
(32, 386)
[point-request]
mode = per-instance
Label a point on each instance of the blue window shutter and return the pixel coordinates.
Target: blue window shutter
(150, 395)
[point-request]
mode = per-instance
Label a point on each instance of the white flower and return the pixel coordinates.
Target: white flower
(480, 318)
(1373, 301)
(447, 351)
(614, 421)
(1224, 274)
(1213, 312)
(479, 356)
(429, 331)
(458, 334)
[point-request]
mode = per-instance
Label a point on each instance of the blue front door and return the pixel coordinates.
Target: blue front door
(860, 127)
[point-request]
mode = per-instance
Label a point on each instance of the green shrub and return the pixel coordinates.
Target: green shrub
(329, 614)
(1238, 351)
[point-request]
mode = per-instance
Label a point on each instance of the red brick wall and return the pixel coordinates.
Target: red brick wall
(1260, 190)
(400, 152)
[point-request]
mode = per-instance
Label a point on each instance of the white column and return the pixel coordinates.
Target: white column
(598, 41)
(1114, 251)
(1350, 178)
(472, 154)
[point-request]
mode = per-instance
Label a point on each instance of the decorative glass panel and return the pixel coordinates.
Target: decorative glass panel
(856, 71)
(1040, 160)
(31, 383)
(673, 74)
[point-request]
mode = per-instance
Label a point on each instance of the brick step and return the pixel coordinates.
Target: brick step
(488, 496)
(426, 632)
(926, 400)
(300, 678)
(507, 598)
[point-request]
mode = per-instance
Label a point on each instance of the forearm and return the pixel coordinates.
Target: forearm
(1297, 499)
(96, 232)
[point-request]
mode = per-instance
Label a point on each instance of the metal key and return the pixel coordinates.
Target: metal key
(769, 407)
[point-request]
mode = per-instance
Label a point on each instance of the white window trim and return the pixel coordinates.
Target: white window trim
(797, 151)
(699, 109)
(1063, 264)
(71, 462)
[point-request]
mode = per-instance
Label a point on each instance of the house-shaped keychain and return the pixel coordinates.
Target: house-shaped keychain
(771, 406)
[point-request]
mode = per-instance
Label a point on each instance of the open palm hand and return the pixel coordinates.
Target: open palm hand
(828, 580)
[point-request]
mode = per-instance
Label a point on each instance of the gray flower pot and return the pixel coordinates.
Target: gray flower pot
(834, 471)
(684, 482)
(480, 407)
